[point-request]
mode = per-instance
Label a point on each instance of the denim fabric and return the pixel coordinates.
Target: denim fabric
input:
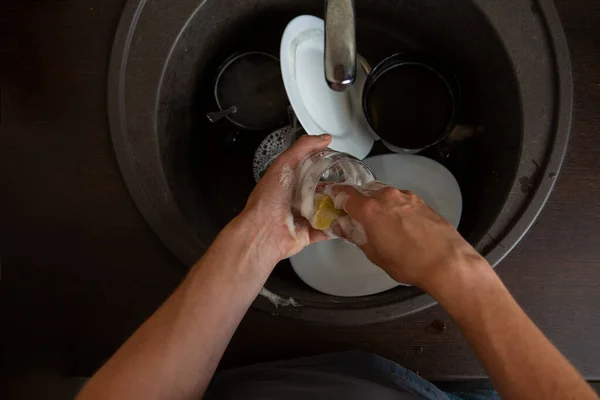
(351, 375)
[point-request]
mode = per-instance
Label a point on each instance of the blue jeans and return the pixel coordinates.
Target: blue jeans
(367, 374)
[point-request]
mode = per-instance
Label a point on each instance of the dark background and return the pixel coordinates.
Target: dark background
(81, 269)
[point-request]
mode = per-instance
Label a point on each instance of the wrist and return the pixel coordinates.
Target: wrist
(456, 274)
(471, 292)
(251, 231)
(233, 263)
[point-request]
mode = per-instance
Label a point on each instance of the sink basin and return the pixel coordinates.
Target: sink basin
(189, 177)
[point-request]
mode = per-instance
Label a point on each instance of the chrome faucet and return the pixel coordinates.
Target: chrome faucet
(340, 44)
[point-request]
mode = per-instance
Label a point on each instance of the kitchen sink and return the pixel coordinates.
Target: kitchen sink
(189, 177)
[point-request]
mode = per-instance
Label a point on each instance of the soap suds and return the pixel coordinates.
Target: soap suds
(327, 189)
(353, 230)
(303, 198)
(370, 188)
(291, 225)
(286, 180)
(277, 300)
(339, 200)
(271, 147)
(359, 235)
(314, 173)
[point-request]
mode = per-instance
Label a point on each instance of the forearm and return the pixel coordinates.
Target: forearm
(520, 360)
(174, 353)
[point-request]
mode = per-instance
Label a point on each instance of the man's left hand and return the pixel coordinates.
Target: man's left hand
(283, 233)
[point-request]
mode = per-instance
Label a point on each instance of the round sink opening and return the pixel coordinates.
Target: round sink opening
(491, 117)
(190, 177)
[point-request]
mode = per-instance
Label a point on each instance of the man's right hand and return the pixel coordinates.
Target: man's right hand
(405, 237)
(415, 245)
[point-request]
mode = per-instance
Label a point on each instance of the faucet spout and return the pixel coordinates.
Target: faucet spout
(340, 44)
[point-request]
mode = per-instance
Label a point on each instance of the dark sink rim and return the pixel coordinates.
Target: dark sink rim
(168, 231)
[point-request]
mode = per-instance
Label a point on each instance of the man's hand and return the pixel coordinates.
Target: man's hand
(283, 233)
(405, 237)
(173, 355)
(415, 245)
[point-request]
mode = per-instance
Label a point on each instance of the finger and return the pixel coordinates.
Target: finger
(316, 235)
(345, 227)
(304, 226)
(337, 230)
(303, 147)
(348, 198)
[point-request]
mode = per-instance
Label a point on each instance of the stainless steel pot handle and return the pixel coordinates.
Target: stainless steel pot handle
(218, 115)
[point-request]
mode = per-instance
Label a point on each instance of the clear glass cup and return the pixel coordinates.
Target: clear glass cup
(321, 169)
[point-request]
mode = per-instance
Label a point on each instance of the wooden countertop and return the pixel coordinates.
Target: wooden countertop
(81, 269)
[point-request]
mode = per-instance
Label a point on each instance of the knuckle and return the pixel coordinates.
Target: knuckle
(301, 149)
(411, 197)
(390, 192)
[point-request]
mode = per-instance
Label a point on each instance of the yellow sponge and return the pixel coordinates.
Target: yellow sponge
(325, 212)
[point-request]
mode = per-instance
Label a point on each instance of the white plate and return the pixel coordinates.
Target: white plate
(341, 269)
(319, 108)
